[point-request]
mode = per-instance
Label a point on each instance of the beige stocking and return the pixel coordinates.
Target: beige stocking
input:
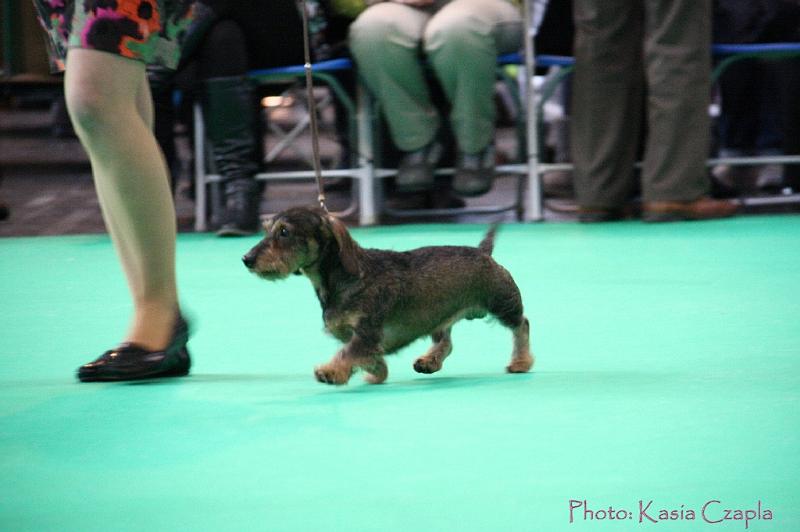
(109, 102)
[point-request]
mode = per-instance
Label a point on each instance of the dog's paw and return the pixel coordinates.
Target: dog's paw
(521, 364)
(427, 364)
(376, 372)
(332, 374)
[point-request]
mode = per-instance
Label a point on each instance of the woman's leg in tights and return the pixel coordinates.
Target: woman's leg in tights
(109, 102)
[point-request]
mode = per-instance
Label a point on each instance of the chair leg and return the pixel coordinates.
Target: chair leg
(200, 176)
(368, 214)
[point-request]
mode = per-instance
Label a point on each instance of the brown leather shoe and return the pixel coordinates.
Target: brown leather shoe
(700, 209)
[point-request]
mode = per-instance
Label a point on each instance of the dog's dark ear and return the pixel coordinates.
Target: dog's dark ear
(348, 248)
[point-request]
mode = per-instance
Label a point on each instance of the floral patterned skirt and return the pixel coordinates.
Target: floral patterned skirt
(150, 31)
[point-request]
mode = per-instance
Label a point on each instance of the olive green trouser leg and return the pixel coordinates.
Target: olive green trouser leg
(384, 41)
(462, 42)
(620, 46)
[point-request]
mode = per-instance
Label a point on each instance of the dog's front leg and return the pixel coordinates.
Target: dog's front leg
(358, 353)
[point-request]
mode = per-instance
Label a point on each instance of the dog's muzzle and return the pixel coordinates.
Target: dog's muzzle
(251, 257)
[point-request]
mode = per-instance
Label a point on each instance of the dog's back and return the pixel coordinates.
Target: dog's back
(426, 289)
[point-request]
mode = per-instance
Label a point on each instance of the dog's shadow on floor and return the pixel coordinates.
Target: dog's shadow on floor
(421, 384)
(432, 384)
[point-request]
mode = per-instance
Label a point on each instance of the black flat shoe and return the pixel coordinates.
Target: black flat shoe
(132, 362)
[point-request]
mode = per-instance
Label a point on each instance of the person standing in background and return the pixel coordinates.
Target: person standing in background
(635, 63)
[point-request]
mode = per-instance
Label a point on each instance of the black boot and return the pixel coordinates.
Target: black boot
(229, 112)
(239, 216)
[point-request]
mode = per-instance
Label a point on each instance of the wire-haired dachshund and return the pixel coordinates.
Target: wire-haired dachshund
(378, 301)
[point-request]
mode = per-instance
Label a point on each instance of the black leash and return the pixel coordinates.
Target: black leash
(312, 109)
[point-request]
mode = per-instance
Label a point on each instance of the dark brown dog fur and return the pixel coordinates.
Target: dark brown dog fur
(378, 301)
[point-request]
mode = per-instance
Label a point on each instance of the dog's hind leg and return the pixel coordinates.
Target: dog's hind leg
(375, 369)
(431, 362)
(521, 357)
(341, 368)
(506, 306)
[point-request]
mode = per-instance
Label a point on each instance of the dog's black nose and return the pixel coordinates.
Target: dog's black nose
(249, 260)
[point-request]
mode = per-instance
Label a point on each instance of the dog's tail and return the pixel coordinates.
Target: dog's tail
(487, 244)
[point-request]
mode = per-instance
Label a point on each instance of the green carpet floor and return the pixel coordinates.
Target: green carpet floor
(668, 370)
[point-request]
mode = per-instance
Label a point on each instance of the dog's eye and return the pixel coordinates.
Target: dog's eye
(283, 232)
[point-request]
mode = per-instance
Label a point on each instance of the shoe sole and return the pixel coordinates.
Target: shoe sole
(665, 217)
(473, 192)
(410, 188)
(661, 217)
(148, 376)
(600, 218)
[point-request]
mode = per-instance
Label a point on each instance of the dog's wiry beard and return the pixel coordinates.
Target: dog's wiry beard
(277, 270)
(271, 275)
(277, 257)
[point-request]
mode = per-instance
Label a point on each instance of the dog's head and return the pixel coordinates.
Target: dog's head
(298, 239)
